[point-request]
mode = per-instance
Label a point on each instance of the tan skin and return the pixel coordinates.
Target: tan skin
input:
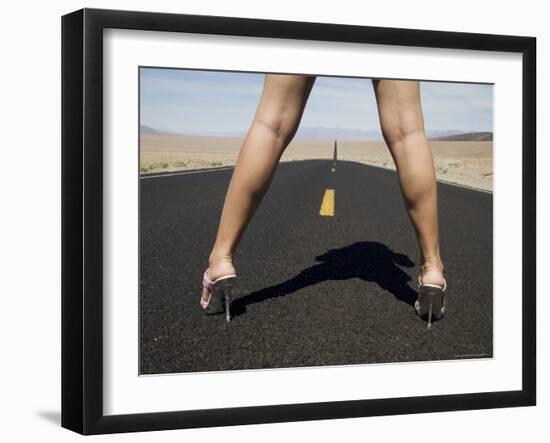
(276, 120)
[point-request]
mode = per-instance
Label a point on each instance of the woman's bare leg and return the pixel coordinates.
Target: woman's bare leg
(402, 124)
(275, 123)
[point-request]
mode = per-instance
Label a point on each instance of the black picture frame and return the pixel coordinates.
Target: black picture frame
(82, 215)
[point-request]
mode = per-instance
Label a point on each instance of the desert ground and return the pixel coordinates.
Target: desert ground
(468, 163)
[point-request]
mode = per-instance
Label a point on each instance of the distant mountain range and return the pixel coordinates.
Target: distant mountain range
(144, 129)
(468, 136)
(319, 132)
(337, 133)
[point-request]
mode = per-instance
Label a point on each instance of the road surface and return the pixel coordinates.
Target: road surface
(312, 289)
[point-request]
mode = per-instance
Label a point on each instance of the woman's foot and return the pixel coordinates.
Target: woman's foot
(431, 272)
(217, 267)
(431, 301)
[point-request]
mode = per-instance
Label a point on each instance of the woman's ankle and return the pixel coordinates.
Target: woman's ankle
(433, 265)
(432, 262)
(220, 264)
(431, 271)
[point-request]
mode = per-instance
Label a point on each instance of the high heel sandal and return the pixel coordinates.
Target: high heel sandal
(431, 301)
(219, 296)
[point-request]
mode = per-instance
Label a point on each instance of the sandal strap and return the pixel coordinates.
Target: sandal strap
(420, 284)
(208, 284)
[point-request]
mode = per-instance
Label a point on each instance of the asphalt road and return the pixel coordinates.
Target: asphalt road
(312, 290)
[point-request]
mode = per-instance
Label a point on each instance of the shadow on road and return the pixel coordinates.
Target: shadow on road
(369, 261)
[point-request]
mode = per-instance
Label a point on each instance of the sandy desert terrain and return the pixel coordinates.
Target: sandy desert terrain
(468, 163)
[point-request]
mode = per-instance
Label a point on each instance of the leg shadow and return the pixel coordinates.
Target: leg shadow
(369, 261)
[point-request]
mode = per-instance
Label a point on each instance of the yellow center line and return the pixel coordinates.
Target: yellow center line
(327, 205)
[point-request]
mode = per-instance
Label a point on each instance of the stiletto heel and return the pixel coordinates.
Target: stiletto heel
(431, 302)
(225, 286)
(227, 297)
(219, 297)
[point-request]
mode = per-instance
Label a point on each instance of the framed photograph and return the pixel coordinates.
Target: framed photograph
(268, 221)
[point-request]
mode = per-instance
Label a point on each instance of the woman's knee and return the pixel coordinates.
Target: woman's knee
(282, 127)
(401, 127)
(282, 104)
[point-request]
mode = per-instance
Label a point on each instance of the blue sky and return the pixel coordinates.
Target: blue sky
(187, 102)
